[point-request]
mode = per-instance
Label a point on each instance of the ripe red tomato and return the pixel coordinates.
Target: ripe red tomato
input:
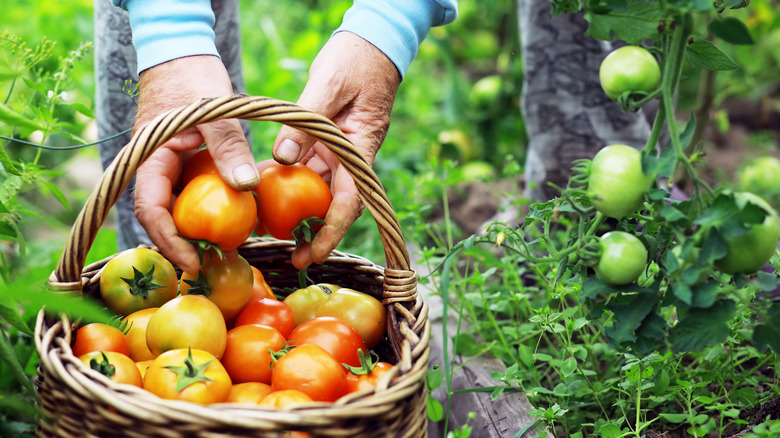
(623, 258)
(188, 374)
(210, 210)
(135, 279)
(311, 370)
(368, 374)
(363, 312)
(288, 194)
(187, 321)
(115, 366)
(305, 302)
(333, 335)
(261, 289)
(629, 69)
(248, 393)
(135, 333)
(247, 357)
(265, 311)
(199, 164)
(227, 283)
(97, 336)
(616, 185)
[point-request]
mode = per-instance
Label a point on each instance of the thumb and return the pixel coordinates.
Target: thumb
(231, 153)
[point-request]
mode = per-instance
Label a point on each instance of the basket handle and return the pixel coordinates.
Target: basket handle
(67, 276)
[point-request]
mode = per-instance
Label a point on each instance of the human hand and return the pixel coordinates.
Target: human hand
(354, 84)
(171, 85)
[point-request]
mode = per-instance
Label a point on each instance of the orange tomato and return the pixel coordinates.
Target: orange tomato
(144, 365)
(248, 392)
(265, 311)
(333, 335)
(311, 370)
(199, 164)
(247, 357)
(261, 289)
(188, 374)
(187, 321)
(116, 366)
(227, 283)
(135, 333)
(100, 337)
(363, 312)
(285, 398)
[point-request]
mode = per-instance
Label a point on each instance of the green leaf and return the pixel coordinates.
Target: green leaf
(433, 379)
(466, 344)
(9, 312)
(704, 294)
(631, 21)
(628, 316)
(610, 430)
(674, 418)
(682, 292)
(731, 30)
(10, 117)
(57, 193)
(83, 109)
(7, 163)
(8, 356)
(768, 333)
(704, 54)
(435, 409)
(766, 281)
(702, 327)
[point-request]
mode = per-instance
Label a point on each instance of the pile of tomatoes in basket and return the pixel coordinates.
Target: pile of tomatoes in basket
(221, 334)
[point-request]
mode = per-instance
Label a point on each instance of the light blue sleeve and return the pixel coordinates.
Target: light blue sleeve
(397, 27)
(170, 29)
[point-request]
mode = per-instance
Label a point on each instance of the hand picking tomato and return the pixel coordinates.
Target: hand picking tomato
(247, 357)
(187, 321)
(260, 288)
(97, 336)
(311, 370)
(363, 312)
(265, 311)
(629, 69)
(304, 302)
(368, 374)
(623, 258)
(248, 393)
(749, 251)
(616, 184)
(115, 366)
(198, 164)
(226, 282)
(188, 374)
(288, 194)
(210, 210)
(135, 279)
(333, 335)
(135, 333)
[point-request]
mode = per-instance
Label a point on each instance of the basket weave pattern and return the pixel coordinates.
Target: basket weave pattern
(81, 402)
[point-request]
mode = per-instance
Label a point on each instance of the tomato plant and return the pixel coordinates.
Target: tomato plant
(288, 195)
(617, 184)
(623, 258)
(630, 69)
(136, 323)
(363, 312)
(211, 211)
(749, 250)
(333, 335)
(187, 321)
(136, 279)
(248, 392)
(226, 281)
(97, 336)
(248, 356)
(116, 366)
(311, 370)
(304, 302)
(266, 311)
(188, 374)
(761, 176)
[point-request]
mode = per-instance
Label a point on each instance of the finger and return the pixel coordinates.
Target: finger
(344, 210)
(301, 258)
(231, 153)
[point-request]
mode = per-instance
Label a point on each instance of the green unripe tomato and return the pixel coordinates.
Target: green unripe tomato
(629, 68)
(747, 253)
(616, 184)
(623, 258)
(762, 177)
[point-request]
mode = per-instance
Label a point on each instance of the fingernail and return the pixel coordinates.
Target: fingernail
(288, 151)
(246, 176)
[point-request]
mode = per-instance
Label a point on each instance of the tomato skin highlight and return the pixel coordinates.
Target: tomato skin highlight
(311, 370)
(748, 252)
(210, 210)
(623, 258)
(332, 335)
(616, 184)
(361, 311)
(187, 321)
(288, 194)
(228, 283)
(117, 293)
(97, 336)
(629, 68)
(272, 313)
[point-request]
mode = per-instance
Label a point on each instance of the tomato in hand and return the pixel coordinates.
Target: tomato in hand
(226, 282)
(311, 370)
(616, 184)
(629, 69)
(115, 366)
(265, 311)
(333, 335)
(210, 210)
(623, 258)
(135, 279)
(247, 357)
(747, 252)
(187, 321)
(135, 333)
(363, 312)
(188, 374)
(260, 288)
(288, 194)
(304, 302)
(97, 336)
(248, 393)
(198, 164)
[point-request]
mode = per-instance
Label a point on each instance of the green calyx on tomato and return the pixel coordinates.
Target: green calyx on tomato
(367, 364)
(623, 258)
(751, 246)
(142, 283)
(103, 366)
(629, 70)
(190, 372)
(616, 182)
(135, 279)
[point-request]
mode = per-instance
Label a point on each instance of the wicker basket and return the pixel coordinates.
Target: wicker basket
(81, 402)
